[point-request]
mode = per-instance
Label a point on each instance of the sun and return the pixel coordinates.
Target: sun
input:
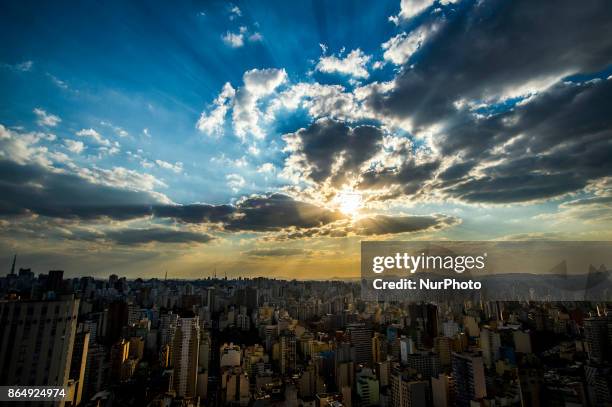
(349, 202)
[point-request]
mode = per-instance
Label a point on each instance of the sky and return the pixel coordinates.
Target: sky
(271, 138)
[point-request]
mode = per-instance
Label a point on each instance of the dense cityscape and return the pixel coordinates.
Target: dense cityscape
(265, 342)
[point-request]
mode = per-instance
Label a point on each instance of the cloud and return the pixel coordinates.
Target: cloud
(235, 182)
(256, 37)
(155, 235)
(118, 130)
(258, 213)
(400, 48)
(95, 136)
(212, 123)
(266, 168)
(257, 84)
(46, 119)
(235, 12)
(237, 39)
(411, 8)
(353, 64)
(23, 147)
(278, 252)
(385, 224)
(329, 150)
(24, 66)
(563, 145)
(177, 167)
(33, 189)
(494, 50)
(234, 40)
(74, 146)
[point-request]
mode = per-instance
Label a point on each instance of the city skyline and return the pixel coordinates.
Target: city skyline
(269, 139)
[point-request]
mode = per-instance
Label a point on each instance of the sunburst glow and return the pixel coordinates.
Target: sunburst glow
(349, 202)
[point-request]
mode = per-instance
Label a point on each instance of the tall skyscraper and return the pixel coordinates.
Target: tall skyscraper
(407, 391)
(469, 378)
(490, 343)
(185, 351)
(287, 345)
(596, 335)
(361, 338)
(36, 341)
(79, 362)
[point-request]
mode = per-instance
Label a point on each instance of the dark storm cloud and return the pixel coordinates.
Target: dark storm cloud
(260, 213)
(409, 179)
(32, 189)
(486, 48)
(159, 235)
(195, 213)
(277, 211)
(558, 142)
(384, 224)
(376, 225)
(38, 190)
(326, 140)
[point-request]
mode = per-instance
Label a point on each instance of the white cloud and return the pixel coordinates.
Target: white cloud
(74, 146)
(255, 37)
(235, 182)
(146, 132)
(46, 119)
(212, 123)
(257, 84)
(353, 64)
(58, 82)
(235, 12)
(24, 66)
(118, 130)
(122, 178)
(266, 168)
(234, 40)
(95, 136)
(401, 47)
(411, 8)
(176, 167)
(237, 39)
(23, 148)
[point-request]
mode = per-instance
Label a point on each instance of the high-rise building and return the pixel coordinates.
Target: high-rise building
(368, 388)
(490, 343)
(599, 383)
(596, 335)
(442, 346)
(229, 355)
(287, 355)
(96, 370)
(167, 326)
(79, 362)
(469, 378)
(116, 319)
(379, 348)
(440, 389)
(407, 347)
(37, 341)
(406, 391)
(120, 352)
(522, 342)
(361, 338)
(427, 364)
(185, 351)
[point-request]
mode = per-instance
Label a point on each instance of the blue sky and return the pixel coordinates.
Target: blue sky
(138, 66)
(277, 135)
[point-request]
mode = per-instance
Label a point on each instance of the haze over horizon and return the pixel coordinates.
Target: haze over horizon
(269, 139)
